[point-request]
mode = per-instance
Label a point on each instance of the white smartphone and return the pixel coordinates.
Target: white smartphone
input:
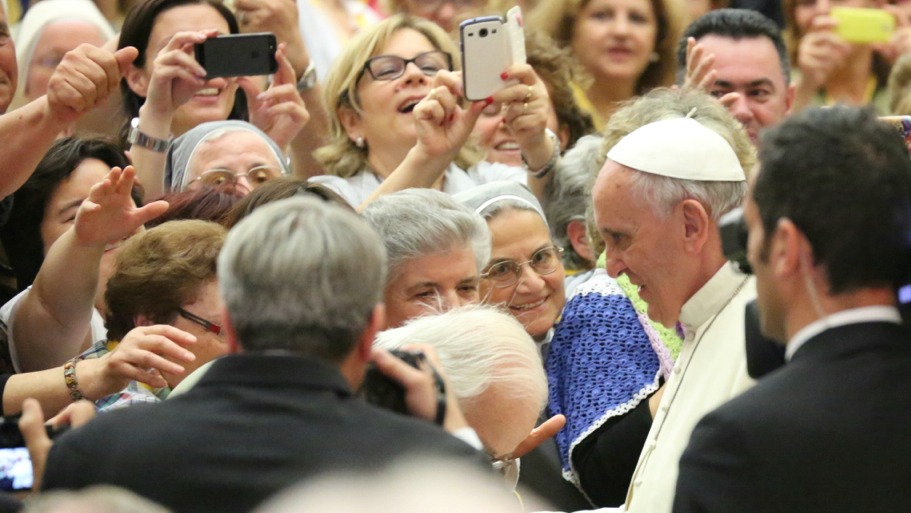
(489, 46)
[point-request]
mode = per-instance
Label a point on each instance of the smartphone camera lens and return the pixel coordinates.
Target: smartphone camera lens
(482, 32)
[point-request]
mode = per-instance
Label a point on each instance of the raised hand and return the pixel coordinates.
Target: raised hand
(84, 79)
(109, 215)
(441, 123)
(176, 76)
(279, 111)
(143, 355)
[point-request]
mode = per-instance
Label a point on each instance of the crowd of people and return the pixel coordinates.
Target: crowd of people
(661, 269)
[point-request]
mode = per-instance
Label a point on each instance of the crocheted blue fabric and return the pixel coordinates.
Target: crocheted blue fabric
(603, 362)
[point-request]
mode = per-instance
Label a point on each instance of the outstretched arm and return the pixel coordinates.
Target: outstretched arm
(50, 323)
(84, 79)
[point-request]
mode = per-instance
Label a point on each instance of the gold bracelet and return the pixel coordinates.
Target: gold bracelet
(69, 375)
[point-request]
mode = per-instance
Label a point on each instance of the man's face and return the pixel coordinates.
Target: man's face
(9, 72)
(768, 297)
(640, 243)
(750, 67)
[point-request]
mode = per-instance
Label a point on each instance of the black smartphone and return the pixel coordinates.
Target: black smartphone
(15, 463)
(236, 55)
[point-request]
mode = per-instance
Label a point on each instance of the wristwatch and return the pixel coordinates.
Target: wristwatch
(308, 79)
(146, 141)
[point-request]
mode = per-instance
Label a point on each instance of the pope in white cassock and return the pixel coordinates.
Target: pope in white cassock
(657, 202)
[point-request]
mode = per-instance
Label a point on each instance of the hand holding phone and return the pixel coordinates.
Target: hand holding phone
(235, 55)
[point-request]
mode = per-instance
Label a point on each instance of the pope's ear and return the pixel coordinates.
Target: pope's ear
(696, 224)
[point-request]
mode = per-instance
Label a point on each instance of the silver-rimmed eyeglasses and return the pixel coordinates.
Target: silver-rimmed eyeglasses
(506, 273)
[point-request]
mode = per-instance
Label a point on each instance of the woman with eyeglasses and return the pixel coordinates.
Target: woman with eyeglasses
(234, 155)
(525, 273)
(397, 119)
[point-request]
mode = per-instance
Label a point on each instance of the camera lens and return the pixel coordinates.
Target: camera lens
(483, 33)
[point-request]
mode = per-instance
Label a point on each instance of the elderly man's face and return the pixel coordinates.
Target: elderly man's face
(641, 244)
(751, 67)
(9, 71)
(432, 283)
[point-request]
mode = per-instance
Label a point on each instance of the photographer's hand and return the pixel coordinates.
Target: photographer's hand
(420, 387)
(31, 424)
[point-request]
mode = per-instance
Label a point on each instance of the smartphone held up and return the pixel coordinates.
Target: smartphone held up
(235, 55)
(489, 45)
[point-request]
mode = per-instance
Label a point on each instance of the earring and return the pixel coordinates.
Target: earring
(654, 57)
(359, 142)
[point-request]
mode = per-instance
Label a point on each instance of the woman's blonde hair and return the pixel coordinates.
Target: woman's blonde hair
(557, 18)
(341, 156)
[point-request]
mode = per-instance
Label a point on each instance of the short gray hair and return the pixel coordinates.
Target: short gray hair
(417, 222)
(479, 347)
(302, 275)
(663, 193)
(569, 194)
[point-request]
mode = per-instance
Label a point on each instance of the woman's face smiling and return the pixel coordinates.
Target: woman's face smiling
(535, 300)
(386, 121)
(209, 104)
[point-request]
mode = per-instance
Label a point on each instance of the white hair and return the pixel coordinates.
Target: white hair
(303, 275)
(479, 347)
(418, 222)
(663, 193)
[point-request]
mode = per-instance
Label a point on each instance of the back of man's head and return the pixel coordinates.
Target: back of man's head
(844, 179)
(735, 24)
(301, 275)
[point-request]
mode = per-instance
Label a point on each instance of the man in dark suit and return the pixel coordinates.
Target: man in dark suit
(829, 220)
(301, 282)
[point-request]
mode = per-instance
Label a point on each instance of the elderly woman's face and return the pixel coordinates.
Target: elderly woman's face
(55, 40)
(536, 300)
(207, 308)
(386, 120)
(613, 39)
(430, 284)
(241, 157)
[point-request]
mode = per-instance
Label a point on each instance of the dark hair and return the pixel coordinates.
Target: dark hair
(21, 235)
(136, 30)
(206, 204)
(278, 189)
(735, 24)
(844, 179)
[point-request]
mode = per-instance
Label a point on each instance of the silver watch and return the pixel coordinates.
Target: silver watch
(144, 140)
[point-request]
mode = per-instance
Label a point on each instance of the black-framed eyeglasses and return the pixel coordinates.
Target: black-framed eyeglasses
(506, 273)
(391, 67)
(223, 176)
(209, 326)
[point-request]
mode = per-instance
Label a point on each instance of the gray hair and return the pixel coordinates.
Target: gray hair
(663, 193)
(569, 194)
(417, 222)
(94, 499)
(479, 347)
(302, 275)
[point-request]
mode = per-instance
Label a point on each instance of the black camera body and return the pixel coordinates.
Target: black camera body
(380, 390)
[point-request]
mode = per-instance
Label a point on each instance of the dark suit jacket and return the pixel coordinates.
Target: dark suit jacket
(253, 425)
(827, 432)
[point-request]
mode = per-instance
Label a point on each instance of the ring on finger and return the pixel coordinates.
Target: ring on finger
(432, 95)
(528, 95)
(524, 108)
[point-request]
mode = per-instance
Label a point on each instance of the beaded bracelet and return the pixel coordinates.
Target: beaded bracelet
(69, 376)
